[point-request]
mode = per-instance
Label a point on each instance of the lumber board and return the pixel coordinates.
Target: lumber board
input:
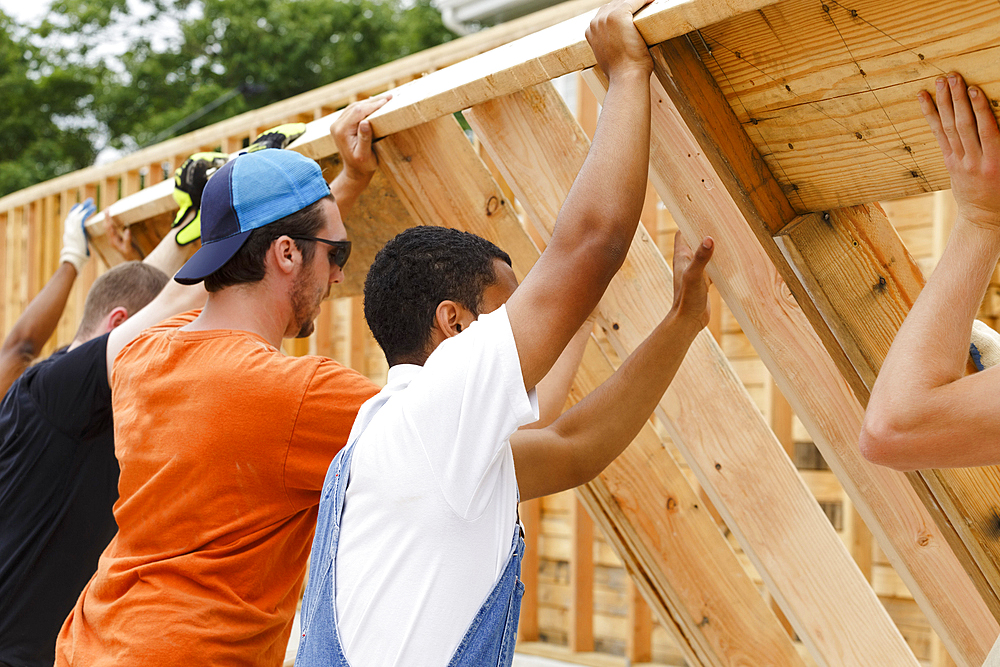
(859, 271)
(827, 90)
(697, 139)
(539, 148)
(531, 517)
(539, 57)
(6, 219)
(437, 173)
(752, 44)
(581, 574)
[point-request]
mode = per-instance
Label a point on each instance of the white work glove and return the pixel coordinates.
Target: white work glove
(74, 248)
(985, 347)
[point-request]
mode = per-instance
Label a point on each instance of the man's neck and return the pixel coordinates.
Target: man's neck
(244, 308)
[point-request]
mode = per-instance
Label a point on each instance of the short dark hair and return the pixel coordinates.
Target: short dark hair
(416, 271)
(131, 286)
(247, 265)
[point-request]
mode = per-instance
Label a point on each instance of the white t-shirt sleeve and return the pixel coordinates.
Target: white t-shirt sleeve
(465, 404)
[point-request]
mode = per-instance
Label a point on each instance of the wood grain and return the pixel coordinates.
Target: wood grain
(827, 90)
(738, 460)
(687, 570)
(754, 279)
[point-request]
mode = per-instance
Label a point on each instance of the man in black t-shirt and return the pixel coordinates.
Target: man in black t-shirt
(58, 471)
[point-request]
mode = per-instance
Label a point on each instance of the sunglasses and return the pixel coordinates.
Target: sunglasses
(339, 251)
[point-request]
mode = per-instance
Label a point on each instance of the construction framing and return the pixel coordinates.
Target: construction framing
(776, 125)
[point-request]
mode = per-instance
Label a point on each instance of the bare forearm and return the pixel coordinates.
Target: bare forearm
(554, 388)
(39, 319)
(167, 256)
(602, 425)
(915, 418)
(589, 436)
(607, 196)
(347, 187)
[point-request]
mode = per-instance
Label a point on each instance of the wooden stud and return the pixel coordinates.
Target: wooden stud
(581, 577)
(34, 257)
(720, 621)
(5, 217)
(358, 334)
(70, 317)
(858, 538)
(232, 144)
(155, 173)
(131, 183)
(540, 149)
(697, 140)
(781, 419)
(639, 640)
(587, 107)
(531, 517)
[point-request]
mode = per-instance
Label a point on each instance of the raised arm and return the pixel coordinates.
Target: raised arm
(36, 324)
(590, 435)
(168, 256)
(599, 217)
(553, 389)
(353, 135)
(923, 412)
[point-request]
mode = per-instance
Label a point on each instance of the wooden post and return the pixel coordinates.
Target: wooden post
(581, 579)
(639, 640)
(781, 419)
(358, 335)
(858, 538)
(531, 518)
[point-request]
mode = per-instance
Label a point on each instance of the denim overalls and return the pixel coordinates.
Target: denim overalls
(491, 635)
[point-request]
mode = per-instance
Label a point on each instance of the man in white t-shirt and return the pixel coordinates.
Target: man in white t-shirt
(416, 560)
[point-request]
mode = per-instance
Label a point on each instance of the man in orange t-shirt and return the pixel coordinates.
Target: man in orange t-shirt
(223, 441)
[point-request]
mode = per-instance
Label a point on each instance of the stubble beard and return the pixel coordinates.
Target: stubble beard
(305, 306)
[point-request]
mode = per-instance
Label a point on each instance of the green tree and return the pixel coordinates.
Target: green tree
(39, 113)
(245, 53)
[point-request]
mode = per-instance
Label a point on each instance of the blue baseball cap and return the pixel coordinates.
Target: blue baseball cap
(248, 192)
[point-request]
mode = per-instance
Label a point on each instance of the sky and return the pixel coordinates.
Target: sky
(31, 13)
(25, 12)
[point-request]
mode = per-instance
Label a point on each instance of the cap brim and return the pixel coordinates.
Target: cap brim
(210, 258)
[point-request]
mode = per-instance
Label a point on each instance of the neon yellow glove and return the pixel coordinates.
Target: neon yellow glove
(277, 137)
(189, 182)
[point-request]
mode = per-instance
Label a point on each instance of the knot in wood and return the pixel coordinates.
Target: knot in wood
(924, 540)
(492, 204)
(671, 504)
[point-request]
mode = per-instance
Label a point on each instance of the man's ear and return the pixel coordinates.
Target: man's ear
(449, 317)
(284, 254)
(115, 318)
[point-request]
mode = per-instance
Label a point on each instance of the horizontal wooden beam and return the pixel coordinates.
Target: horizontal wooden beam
(826, 95)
